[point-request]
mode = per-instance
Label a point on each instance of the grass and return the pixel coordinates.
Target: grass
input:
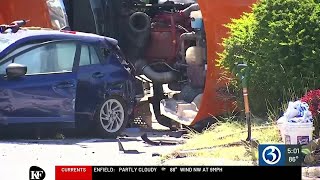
(205, 144)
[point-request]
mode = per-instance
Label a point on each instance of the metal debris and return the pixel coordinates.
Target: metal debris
(162, 142)
(121, 149)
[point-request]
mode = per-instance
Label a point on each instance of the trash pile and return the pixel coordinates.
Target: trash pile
(296, 124)
(297, 112)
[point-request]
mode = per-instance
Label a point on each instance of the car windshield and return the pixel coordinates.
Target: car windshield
(4, 43)
(16, 51)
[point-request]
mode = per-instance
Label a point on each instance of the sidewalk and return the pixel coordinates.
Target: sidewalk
(311, 173)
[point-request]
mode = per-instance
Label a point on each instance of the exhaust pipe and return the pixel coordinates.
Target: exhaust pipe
(139, 22)
(159, 77)
(137, 34)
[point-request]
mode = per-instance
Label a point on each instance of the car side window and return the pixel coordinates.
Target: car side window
(94, 56)
(88, 56)
(35, 60)
(8, 58)
(49, 58)
(3, 67)
(84, 56)
(65, 56)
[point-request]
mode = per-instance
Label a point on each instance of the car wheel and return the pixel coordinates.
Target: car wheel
(111, 117)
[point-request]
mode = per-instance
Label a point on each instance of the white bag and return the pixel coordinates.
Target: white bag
(297, 112)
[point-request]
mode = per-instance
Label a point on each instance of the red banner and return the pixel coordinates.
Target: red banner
(73, 173)
(173, 172)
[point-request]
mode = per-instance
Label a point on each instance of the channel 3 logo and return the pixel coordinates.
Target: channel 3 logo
(271, 155)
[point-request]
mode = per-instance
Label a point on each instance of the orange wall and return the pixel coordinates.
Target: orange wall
(216, 13)
(34, 10)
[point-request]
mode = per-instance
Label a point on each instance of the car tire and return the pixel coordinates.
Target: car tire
(111, 117)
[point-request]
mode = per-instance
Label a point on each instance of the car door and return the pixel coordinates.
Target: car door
(91, 81)
(47, 92)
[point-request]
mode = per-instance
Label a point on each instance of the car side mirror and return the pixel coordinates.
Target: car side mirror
(15, 70)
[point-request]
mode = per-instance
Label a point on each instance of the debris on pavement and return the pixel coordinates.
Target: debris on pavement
(160, 142)
(121, 149)
(155, 154)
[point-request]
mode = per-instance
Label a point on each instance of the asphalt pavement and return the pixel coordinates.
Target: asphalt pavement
(18, 155)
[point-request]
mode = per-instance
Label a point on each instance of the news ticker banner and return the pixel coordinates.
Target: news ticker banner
(275, 161)
(219, 172)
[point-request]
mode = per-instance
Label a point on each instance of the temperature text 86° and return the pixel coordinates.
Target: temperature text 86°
(293, 159)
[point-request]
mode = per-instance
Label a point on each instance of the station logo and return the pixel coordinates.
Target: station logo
(271, 155)
(36, 173)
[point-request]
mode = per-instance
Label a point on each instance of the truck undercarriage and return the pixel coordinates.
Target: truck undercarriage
(164, 41)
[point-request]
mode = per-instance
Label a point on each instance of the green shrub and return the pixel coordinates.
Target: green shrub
(280, 42)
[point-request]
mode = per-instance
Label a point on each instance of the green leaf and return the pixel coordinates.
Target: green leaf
(280, 39)
(305, 151)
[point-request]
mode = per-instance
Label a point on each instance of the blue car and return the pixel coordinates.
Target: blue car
(70, 79)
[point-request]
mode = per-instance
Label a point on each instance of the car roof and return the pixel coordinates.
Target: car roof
(11, 40)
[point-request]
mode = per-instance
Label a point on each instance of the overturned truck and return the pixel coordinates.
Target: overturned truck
(171, 44)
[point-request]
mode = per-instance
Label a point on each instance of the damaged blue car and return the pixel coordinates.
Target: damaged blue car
(70, 79)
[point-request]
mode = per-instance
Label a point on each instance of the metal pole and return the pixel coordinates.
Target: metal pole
(245, 97)
(247, 111)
